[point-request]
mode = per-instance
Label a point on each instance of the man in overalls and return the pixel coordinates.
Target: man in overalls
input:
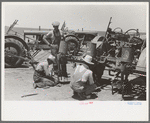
(82, 81)
(53, 39)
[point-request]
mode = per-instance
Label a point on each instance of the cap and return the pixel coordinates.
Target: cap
(55, 23)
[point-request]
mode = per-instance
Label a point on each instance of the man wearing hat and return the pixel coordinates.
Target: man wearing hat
(53, 39)
(82, 81)
(42, 76)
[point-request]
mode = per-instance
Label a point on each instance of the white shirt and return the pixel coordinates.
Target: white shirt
(87, 76)
(43, 66)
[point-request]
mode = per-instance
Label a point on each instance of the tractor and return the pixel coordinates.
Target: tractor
(18, 50)
(123, 53)
(119, 51)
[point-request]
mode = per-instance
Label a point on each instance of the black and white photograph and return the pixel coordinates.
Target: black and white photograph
(75, 58)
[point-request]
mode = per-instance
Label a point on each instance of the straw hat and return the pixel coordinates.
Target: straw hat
(55, 23)
(88, 59)
(51, 57)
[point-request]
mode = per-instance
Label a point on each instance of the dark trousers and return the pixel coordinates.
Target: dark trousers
(98, 71)
(61, 62)
(87, 89)
(42, 81)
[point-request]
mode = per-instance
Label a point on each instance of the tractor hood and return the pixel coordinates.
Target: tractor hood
(34, 32)
(97, 40)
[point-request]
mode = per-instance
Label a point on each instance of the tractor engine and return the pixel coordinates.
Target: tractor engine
(115, 49)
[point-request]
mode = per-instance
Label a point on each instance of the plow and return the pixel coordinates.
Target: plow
(121, 52)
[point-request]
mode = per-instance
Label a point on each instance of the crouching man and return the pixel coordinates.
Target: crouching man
(82, 81)
(42, 77)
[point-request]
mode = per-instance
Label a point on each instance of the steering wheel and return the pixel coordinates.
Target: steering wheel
(132, 34)
(121, 31)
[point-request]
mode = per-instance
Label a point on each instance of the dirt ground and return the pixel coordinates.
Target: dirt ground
(19, 87)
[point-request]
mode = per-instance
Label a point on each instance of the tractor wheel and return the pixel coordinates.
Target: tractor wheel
(73, 45)
(13, 48)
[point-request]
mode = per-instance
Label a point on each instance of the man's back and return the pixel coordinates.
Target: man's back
(82, 73)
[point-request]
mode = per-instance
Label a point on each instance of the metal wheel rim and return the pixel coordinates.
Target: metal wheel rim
(11, 50)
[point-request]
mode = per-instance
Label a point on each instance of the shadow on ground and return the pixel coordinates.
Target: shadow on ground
(93, 96)
(21, 66)
(138, 88)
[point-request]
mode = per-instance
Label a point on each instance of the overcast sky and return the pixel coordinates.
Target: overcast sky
(90, 16)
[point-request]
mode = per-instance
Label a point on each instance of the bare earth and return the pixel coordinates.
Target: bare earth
(19, 87)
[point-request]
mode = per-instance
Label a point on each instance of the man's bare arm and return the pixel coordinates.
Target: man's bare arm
(44, 39)
(91, 80)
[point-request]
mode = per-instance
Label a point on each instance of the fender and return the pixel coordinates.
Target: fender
(78, 41)
(19, 39)
(72, 36)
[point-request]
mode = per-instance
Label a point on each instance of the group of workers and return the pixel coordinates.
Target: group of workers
(82, 82)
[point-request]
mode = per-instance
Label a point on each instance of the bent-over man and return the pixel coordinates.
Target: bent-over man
(42, 77)
(82, 81)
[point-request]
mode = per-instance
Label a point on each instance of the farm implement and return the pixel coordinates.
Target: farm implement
(123, 53)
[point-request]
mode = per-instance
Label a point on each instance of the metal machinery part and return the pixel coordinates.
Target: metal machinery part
(123, 51)
(17, 50)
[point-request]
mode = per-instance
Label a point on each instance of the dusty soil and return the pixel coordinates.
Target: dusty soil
(19, 87)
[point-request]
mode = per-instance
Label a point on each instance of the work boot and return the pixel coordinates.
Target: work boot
(88, 96)
(82, 95)
(97, 89)
(75, 93)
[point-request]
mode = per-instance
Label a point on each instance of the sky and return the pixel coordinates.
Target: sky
(89, 16)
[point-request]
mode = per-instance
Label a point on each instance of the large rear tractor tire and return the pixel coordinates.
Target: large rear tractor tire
(13, 48)
(73, 45)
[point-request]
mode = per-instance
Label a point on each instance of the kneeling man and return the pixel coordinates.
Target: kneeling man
(82, 81)
(42, 77)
